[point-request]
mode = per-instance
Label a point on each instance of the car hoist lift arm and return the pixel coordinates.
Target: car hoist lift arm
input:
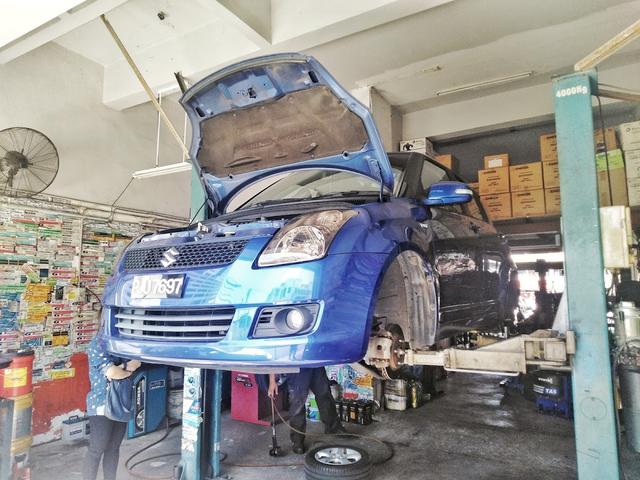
(542, 349)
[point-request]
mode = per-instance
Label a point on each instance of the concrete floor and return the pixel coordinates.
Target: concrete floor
(474, 431)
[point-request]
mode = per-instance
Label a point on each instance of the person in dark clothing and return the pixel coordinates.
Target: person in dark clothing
(299, 384)
(106, 434)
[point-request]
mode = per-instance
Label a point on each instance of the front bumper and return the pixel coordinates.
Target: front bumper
(344, 285)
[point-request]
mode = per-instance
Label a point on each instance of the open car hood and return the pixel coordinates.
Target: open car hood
(276, 113)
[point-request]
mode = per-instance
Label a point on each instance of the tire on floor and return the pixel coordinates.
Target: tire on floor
(328, 462)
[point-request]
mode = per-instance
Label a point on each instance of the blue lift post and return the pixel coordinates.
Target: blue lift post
(202, 398)
(594, 410)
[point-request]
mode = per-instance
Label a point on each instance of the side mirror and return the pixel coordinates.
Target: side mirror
(448, 193)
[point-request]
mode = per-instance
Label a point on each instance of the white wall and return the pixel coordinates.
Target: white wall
(60, 93)
(502, 109)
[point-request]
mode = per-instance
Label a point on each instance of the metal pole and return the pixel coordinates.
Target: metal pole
(215, 426)
(192, 425)
(158, 124)
(610, 47)
(594, 411)
(145, 85)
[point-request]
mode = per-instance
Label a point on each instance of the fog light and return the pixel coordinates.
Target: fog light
(295, 319)
(285, 320)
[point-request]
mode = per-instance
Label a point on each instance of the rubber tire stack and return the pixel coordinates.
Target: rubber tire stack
(315, 470)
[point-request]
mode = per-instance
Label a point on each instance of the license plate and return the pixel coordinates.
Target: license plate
(157, 286)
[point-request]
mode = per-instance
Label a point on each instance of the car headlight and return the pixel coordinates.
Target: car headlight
(307, 238)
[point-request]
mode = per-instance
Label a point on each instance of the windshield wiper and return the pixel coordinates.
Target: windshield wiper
(349, 193)
(272, 202)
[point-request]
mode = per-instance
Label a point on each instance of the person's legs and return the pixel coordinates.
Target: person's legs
(100, 427)
(112, 451)
(321, 388)
(298, 384)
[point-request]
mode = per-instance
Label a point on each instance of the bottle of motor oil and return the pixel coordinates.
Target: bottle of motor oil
(414, 388)
(360, 407)
(353, 412)
(344, 415)
(368, 412)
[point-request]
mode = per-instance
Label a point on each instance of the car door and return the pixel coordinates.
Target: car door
(469, 257)
(497, 266)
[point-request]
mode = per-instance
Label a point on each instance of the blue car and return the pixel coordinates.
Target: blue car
(319, 248)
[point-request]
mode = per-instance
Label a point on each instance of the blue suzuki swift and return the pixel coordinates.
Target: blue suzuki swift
(319, 248)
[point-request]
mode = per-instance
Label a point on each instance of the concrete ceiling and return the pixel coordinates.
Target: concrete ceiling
(407, 49)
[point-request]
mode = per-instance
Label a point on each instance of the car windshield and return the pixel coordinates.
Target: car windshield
(305, 184)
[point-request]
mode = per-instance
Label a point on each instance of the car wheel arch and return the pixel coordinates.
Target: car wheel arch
(419, 295)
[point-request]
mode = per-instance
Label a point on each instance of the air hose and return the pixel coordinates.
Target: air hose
(130, 466)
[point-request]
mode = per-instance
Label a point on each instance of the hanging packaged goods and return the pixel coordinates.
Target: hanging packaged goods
(53, 267)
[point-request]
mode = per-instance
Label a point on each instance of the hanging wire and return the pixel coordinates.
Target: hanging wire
(606, 148)
(113, 205)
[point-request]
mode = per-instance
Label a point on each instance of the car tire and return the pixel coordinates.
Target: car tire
(328, 462)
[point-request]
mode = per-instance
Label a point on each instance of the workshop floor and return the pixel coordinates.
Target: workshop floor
(474, 431)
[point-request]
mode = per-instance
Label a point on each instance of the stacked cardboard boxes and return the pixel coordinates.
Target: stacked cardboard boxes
(550, 174)
(610, 168)
(630, 142)
(527, 190)
(494, 186)
(512, 190)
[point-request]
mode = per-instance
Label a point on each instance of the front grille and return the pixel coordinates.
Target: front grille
(189, 255)
(206, 324)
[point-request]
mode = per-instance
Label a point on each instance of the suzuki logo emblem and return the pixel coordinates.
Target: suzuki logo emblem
(169, 257)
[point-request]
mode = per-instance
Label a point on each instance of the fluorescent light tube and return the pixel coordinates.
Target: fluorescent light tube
(486, 83)
(163, 170)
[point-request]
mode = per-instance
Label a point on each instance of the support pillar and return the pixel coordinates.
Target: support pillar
(213, 414)
(594, 410)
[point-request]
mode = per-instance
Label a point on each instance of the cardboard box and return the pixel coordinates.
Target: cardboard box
(527, 176)
(552, 200)
(618, 181)
(421, 145)
(549, 144)
(632, 163)
(447, 160)
(527, 204)
(417, 150)
(475, 186)
(550, 174)
(493, 180)
(630, 135)
(609, 137)
(497, 206)
(615, 176)
(548, 148)
(496, 161)
(633, 188)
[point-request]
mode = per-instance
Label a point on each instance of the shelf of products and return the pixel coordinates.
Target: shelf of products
(53, 267)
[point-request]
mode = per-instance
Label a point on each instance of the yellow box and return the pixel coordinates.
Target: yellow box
(58, 373)
(527, 176)
(527, 204)
(496, 161)
(548, 148)
(609, 137)
(552, 200)
(493, 181)
(447, 160)
(497, 206)
(551, 174)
